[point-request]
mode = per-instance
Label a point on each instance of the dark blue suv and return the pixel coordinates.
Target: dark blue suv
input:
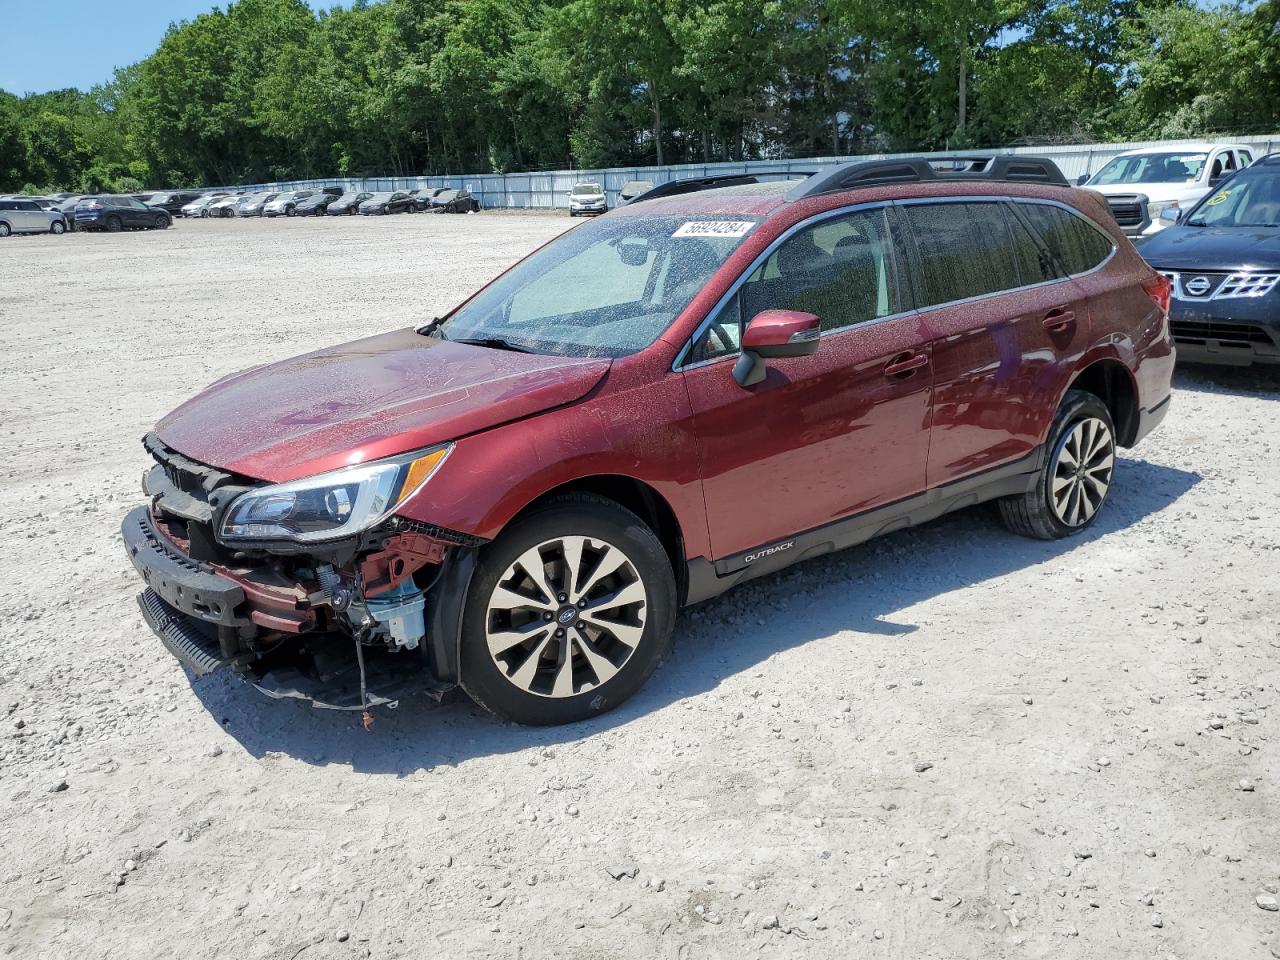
(1223, 259)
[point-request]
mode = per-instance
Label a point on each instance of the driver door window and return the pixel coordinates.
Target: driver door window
(839, 269)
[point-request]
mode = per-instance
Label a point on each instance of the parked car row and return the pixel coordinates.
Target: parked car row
(111, 212)
(331, 201)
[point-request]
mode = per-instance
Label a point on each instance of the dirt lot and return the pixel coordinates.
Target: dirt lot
(949, 743)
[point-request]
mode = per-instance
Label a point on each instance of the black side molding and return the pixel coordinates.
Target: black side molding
(708, 579)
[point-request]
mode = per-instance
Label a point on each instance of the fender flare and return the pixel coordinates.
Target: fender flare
(446, 601)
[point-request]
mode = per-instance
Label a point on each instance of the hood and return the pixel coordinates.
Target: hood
(1213, 248)
(365, 400)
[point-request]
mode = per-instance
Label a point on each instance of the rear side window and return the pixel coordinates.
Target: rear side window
(1077, 245)
(966, 250)
(1035, 263)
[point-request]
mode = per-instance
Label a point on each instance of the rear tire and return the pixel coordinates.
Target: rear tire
(579, 656)
(1077, 476)
(114, 225)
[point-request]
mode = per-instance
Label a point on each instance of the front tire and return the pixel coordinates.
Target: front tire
(1076, 478)
(57, 227)
(5, 229)
(162, 223)
(569, 612)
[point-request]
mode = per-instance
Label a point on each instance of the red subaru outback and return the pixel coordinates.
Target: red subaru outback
(701, 387)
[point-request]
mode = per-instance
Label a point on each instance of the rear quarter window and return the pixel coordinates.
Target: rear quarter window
(966, 250)
(1075, 243)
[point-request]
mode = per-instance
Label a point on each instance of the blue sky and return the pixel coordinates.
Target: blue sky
(52, 44)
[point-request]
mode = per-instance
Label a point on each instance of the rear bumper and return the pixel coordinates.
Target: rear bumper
(1148, 420)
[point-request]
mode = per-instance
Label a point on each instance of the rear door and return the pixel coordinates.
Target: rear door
(825, 436)
(33, 218)
(1008, 324)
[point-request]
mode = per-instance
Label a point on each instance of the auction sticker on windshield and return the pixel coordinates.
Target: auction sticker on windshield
(715, 228)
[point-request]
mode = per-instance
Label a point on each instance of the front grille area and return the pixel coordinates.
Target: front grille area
(189, 497)
(1242, 336)
(1128, 210)
(1248, 285)
(1200, 285)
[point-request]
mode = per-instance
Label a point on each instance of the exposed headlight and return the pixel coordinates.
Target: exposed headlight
(331, 505)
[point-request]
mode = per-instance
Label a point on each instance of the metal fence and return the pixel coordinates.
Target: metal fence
(550, 189)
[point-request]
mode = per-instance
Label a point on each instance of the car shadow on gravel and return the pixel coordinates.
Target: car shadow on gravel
(857, 590)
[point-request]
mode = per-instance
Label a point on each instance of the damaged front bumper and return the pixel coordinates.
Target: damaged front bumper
(284, 636)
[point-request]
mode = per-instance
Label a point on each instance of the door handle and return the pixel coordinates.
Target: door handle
(905, 364)
(1058, 320)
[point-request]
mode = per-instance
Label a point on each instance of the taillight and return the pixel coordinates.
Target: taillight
(1159, 288)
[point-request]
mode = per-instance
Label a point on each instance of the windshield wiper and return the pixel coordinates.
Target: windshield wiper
(497, 343)
(432, 329)
(1195, 222)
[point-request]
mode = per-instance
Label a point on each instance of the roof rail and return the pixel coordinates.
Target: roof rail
(693, 184)
(873, 173)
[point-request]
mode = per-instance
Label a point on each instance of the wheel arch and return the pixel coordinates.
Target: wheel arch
(638, 497)
(443, 651)
(1111, 381)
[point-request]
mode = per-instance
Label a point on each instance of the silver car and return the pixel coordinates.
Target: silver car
(283, 204)
(253, 205)
(21, 215)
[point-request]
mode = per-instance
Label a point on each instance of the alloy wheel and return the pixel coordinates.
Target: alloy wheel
(1082, 470)
(566, 616)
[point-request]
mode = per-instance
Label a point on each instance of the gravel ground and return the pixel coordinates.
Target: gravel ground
(948, 743)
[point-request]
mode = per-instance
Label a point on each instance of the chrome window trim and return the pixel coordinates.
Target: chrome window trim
(676, 364)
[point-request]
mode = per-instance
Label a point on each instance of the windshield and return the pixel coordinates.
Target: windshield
(379, 196)
(1246, 200)
(585, 189)
(1151, 168)
(606, 289)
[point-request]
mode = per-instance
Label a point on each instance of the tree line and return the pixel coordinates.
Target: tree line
(272, 90)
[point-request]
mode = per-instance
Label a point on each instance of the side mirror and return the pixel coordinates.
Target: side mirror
(1170, 215)
(773, 334)
(1082, 180)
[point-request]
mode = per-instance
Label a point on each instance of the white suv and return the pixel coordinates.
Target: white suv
(1141, 185)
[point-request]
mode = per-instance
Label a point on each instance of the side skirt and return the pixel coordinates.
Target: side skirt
(708, 578)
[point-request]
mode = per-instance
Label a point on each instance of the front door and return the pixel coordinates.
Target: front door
(823, 436)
